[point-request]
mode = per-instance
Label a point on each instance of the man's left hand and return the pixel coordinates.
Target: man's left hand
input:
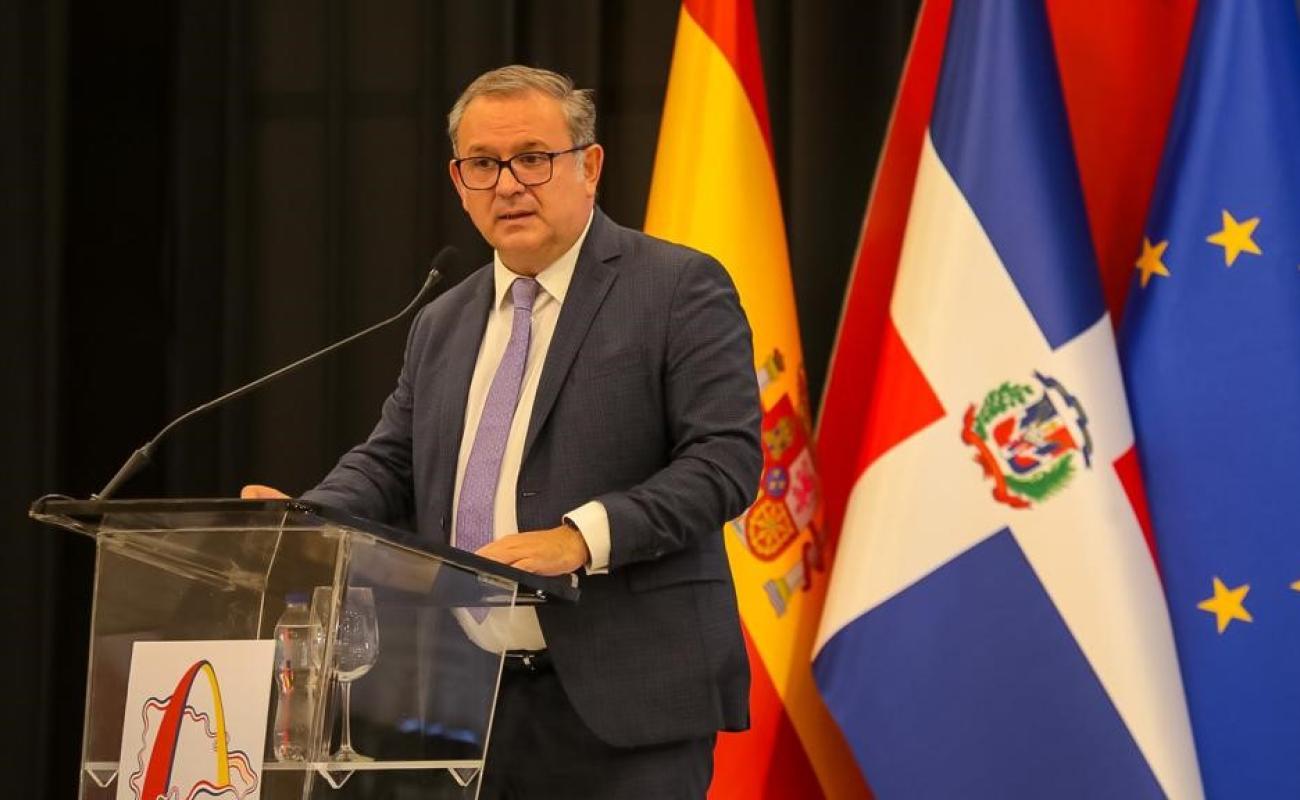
(557, 551)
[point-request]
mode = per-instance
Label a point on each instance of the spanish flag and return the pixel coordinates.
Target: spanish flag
(715, 189)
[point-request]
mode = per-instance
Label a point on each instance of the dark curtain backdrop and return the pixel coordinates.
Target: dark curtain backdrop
(196, 192)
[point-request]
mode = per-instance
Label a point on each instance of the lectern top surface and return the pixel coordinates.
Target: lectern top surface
(93, 517)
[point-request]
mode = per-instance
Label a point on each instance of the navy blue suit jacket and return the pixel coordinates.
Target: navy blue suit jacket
(647, 402)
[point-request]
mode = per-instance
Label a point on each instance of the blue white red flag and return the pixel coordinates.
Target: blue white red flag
(1211, 352)
(995, 625)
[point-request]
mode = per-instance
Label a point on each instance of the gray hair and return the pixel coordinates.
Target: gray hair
(579, 104)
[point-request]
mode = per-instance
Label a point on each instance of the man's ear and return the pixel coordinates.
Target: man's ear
(593, 159)
(454, 174)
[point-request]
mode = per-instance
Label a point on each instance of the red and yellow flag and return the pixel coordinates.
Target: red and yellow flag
(715, 189)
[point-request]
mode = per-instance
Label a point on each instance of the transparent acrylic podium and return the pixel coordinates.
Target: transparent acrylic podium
(191, 570)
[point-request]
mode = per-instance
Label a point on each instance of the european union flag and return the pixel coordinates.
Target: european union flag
(1211, 354)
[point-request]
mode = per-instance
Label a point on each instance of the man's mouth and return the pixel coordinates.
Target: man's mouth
(509, 216)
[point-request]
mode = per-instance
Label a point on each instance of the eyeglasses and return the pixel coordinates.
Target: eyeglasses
(530, 169)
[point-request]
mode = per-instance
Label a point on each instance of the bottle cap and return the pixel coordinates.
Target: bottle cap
(296, 598)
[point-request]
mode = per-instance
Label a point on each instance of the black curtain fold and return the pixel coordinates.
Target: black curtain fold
(197, 192)
(46, 589)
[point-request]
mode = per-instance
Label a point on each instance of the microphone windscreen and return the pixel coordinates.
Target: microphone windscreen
(449, 264)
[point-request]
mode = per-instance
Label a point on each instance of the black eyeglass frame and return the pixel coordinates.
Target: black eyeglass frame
(507, 163)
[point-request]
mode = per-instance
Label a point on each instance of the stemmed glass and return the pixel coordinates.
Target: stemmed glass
(356, 646)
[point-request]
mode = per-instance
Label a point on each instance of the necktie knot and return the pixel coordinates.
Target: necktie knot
(523, 292)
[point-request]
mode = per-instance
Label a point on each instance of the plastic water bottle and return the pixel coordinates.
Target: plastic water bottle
(297, 660)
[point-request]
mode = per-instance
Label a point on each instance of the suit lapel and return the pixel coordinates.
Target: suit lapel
(592, 278)
(453, 379)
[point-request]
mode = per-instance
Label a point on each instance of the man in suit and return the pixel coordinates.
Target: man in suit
(585, 403)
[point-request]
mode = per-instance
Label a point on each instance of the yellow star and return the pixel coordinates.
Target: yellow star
(1149, 262)
(1296, 586)
(1235, 237)
(1226, 604)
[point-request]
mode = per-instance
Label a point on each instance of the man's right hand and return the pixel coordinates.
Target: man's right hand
(256, 491)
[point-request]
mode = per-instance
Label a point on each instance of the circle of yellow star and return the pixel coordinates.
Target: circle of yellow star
(1226, 605)
(1149, 262)
(1234, 238)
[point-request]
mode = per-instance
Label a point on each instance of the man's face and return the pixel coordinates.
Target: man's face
(530, 226)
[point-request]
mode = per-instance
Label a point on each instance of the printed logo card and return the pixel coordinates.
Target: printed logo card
(195, 720)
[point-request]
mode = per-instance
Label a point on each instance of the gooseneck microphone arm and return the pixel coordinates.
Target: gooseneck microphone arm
(141, 457)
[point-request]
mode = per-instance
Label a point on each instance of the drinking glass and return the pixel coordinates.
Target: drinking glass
(356, 646)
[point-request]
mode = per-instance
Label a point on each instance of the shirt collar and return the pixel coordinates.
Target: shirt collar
(554, 279)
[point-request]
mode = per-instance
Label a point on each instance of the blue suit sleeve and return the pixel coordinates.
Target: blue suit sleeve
(714, 416)
(373, 479)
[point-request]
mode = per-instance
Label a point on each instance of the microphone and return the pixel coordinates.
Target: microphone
(445, 260)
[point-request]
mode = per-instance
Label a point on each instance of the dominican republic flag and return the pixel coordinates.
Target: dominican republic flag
(1211, 352)
(995, 625)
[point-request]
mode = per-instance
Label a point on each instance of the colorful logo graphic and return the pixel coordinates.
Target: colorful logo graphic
(189, 756)
(1028, 439)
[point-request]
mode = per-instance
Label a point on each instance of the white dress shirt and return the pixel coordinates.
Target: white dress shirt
(517, 628)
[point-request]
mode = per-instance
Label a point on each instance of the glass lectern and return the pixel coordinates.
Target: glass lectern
(190, 570)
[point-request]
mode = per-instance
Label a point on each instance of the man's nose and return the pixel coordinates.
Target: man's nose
(507, 183)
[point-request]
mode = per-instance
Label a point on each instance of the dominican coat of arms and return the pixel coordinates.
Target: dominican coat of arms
(1029, 439)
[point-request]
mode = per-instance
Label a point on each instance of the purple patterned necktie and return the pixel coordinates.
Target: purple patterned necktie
(478, 488)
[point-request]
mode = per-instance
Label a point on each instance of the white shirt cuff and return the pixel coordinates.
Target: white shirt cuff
(592, 521)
